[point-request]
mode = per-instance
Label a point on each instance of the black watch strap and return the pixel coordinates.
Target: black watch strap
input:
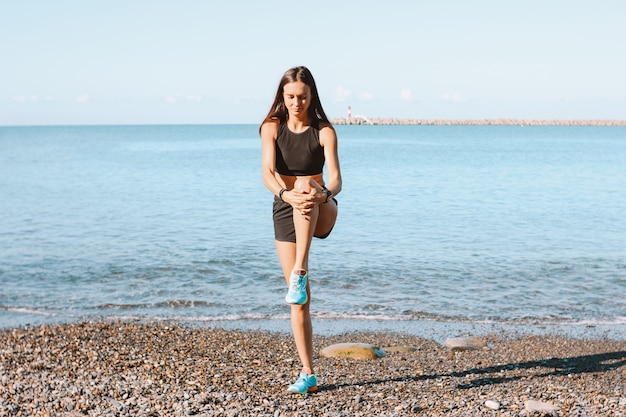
(329, 194)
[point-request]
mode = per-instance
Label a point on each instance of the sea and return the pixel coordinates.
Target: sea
(442, 230)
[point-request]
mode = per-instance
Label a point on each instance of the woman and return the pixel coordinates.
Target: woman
(297, 140)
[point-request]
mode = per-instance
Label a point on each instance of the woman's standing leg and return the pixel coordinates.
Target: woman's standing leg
(300, 314)
(301, 325)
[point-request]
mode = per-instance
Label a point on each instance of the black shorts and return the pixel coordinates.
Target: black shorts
(284, 230)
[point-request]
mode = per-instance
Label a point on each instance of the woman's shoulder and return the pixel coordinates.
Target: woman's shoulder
(270, 127)
(326, 127)
(327, 133)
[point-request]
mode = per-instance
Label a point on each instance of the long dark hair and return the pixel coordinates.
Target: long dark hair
(279, 110)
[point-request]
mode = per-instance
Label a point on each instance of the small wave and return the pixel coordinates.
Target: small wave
(161, 304)
(413, 317)
(24, 313)
(32, 311)
(241, 317)
(210, 319)
(431, 317)
(618, 321)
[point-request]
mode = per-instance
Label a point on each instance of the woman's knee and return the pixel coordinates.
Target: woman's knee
(303, 184)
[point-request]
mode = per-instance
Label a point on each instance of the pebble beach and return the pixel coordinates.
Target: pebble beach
(133, 368)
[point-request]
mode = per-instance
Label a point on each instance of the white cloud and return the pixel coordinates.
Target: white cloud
(454, 98)
(341, 93)
(82, 99)
(406, 95)
(180, 97)
(32, 98)
(366, 96)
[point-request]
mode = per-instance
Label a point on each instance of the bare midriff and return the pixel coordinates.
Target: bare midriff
(287, 181)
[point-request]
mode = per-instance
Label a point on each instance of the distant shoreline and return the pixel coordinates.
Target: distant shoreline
(360, 120)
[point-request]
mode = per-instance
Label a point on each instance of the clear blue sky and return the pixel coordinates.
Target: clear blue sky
(204, 61)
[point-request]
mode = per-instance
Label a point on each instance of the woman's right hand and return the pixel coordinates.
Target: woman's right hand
(300, 200)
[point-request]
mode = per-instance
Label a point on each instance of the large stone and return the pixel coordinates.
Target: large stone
(352, 350)
(493, 405)
(541, 407)
(465, 343)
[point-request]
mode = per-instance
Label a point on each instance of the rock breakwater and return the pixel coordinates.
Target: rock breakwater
(473, 122)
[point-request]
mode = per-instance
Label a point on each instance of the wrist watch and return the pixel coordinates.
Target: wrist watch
(329, 194)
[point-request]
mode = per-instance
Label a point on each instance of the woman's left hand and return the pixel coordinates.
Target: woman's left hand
(307, 201)
(320, 193)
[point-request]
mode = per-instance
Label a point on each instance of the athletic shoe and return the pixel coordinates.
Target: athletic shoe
(306, 383)
(297, 288)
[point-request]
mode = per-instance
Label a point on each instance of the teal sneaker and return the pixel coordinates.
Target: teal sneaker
(297, 288)
(306, 383)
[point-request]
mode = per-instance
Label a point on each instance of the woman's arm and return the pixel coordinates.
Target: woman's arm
(328, 139)
(269, 132)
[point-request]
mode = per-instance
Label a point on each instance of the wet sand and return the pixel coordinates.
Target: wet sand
(169, 369)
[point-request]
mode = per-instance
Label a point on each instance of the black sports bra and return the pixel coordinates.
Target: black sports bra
(299, 154)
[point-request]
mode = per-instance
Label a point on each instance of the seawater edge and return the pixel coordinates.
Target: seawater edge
(362, 120)
(435, 330)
